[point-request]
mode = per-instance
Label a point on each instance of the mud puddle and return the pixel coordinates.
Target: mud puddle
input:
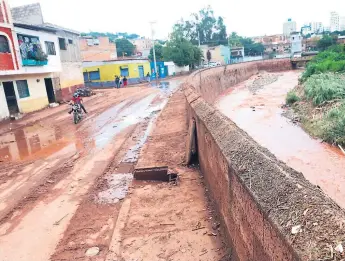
(260, 115)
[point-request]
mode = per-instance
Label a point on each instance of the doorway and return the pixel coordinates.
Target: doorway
(11, 98)
(141, 71)
(50, 90)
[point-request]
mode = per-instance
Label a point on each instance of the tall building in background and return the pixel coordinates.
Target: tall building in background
(342, 23)
(334, 21)
(289, 27)
(316, 27)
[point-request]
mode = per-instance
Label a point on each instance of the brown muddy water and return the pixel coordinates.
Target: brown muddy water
(260, 115)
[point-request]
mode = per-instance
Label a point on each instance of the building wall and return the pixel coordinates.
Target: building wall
(108, 70)
(8, 60)
(142, 44)
(38, 95)
(72, 54)
(69, 79)
(28, 14)
(289, 27)
(101, 51)
(4, 113)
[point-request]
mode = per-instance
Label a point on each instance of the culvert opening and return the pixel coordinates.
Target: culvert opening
(192, 146)
(156, 174)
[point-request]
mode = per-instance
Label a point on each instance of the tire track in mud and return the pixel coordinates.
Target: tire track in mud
(94, 222)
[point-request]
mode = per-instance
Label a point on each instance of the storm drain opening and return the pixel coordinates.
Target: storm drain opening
(192, 145)
(156, 174)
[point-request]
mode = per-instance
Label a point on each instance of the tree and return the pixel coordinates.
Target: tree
(235, 40)
(204, 24)
(326, 41)
(208, 55)
(158, 51)
(180, 50)
(124, 47)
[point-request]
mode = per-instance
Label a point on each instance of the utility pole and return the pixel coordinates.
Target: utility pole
(154, 52)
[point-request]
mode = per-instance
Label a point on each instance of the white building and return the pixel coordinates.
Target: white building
(296, 42)
(289, 27)
(30, 87)
(334, 22)
(316, 27)
(342, 23)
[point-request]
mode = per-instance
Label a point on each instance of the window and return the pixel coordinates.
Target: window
(4, 46)
(92, 76)
(50, 46)
(124, 71)
(62, 44)
(70, 41)
(23, 89)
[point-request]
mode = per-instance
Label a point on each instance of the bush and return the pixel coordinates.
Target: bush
(321, 88)
(333, 126)
(333, 59)
(291, 98)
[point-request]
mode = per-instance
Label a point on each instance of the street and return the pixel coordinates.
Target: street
(66, 188)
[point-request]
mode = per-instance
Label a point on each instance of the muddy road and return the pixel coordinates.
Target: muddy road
(66, 189)
(255, 106)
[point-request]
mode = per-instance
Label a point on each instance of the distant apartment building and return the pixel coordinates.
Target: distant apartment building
(342, 23)
(97, 49)
(334, 22)
(142, 46)
(316, 27)
(296, 42)
(289, 27)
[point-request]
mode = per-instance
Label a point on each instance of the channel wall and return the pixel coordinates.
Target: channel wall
(260, 200)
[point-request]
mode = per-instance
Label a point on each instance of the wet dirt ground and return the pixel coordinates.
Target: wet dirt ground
(260, 115)
(65, 188)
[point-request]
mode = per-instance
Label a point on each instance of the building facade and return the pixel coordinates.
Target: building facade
(29, 86)
(102, 73)
(143, 46)
(316, 27)
(289, 27)
(334, 22)
(220, 53)
(296, 42)
(342, 23)
(97, 49)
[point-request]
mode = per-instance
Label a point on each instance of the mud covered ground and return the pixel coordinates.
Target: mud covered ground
(66, 188)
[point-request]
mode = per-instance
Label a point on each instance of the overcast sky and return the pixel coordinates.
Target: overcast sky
(246, 17)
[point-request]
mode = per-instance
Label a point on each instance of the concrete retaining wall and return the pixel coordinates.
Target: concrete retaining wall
(258, 197)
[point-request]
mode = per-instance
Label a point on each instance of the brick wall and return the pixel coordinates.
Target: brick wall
(258, 198)
(29, 14)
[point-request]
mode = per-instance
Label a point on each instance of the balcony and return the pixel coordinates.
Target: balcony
(31, 62)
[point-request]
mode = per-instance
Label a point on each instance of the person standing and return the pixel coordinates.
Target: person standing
(121, 81)
(117, 82)
(148, 77)
(125, 80)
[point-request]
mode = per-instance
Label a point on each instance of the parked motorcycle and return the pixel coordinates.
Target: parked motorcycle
(77, 113)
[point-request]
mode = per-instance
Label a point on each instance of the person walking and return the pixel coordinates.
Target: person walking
(148, 77)
(117, 82)
(125, 81)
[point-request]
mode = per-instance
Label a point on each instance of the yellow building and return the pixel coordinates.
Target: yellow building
(102, 74)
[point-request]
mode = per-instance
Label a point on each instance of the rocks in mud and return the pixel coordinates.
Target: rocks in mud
(262, 80)
(93, 251)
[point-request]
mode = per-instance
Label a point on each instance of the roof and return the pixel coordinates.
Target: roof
(120, 60)
(57, 28)
(35, 27)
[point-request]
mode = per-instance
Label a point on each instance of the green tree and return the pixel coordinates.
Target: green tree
(158, 51)
(235, 40)
(124, 47)
(326, 41)
(180, 50)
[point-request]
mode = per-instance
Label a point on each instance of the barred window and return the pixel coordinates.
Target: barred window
(23, 89)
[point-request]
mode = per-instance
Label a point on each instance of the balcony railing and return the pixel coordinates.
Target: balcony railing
(31, 62)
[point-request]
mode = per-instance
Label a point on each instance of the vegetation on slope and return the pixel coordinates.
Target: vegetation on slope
(320, 99)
